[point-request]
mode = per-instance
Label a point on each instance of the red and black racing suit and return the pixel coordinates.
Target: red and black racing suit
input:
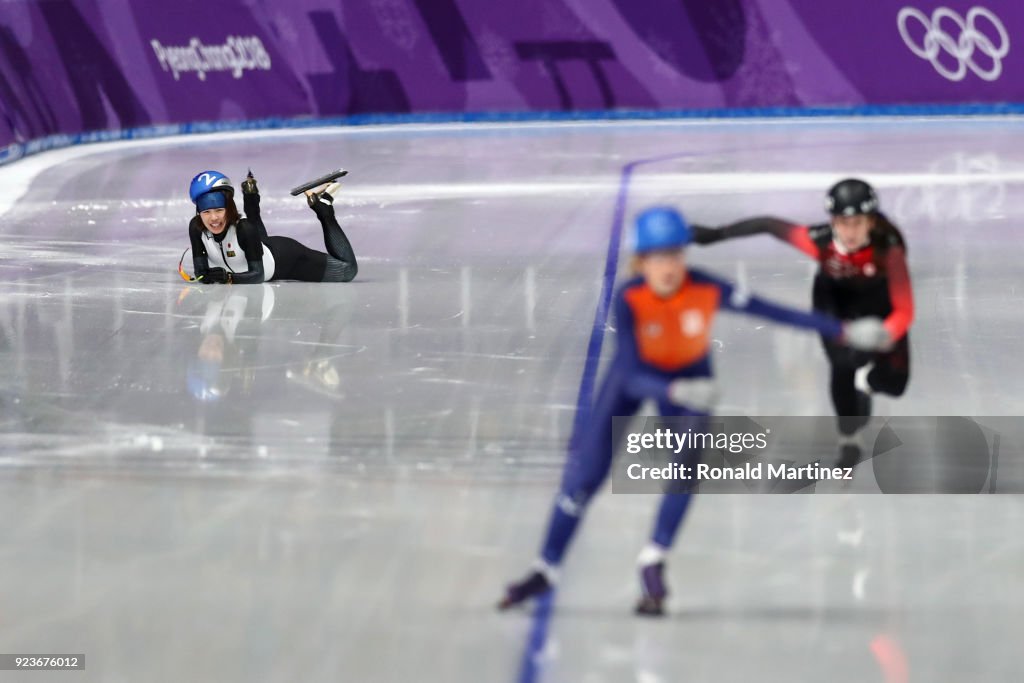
(871, 281)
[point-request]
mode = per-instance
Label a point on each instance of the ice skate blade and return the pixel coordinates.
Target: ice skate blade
(317, 182)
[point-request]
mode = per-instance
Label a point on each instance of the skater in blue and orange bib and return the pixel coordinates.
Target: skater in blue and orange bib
(664, 317)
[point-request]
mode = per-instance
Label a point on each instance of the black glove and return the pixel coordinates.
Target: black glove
(706, 235)
(249, 184)
(215, 276)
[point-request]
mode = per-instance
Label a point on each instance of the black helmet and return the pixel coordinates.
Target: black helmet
(851, 197)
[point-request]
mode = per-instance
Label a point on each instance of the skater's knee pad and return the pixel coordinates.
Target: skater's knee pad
(573, 504)
(582, 482)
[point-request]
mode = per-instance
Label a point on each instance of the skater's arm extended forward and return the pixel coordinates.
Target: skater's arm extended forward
(797, 236)
(735, 299)
(762, 308)
(864, 334)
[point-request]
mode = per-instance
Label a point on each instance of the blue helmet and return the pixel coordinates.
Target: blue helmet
(206, 183)
(661, 227)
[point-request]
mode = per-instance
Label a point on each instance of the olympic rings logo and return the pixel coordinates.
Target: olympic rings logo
(971, 39)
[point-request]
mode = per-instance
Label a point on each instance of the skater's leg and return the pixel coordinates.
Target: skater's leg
(671, 512)
(586, 469)
(892, 370)
(852, 407)
(341, 264)
(339, 271)
(295, 261)
(676, 498)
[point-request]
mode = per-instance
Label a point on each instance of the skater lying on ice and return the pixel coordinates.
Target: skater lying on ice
(664, 318)
(230, 249)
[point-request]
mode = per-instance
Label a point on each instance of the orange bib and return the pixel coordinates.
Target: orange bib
(673, 333)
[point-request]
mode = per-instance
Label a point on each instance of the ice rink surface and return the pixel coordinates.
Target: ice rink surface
(333, 482)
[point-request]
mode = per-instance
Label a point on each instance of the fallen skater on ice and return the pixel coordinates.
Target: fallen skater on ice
(228, 248)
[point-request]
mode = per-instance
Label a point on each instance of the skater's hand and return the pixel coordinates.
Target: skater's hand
(697, 394)
(866, 334)
(215, 276)
(249, 185)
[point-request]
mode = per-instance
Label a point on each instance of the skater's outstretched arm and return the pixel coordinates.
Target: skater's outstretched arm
(797, 236)
(734, 299)
(864, 334)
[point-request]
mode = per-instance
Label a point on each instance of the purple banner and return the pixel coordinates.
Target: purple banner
(71, 66)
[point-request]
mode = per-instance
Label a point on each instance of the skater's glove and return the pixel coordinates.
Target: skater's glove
(706, 235)
(249, 185)
(215, 276)
(866, 334)
(696, 394)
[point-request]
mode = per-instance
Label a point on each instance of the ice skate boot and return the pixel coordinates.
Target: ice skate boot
(851, 450)
(533, 585)
(652, 584)
(249, 184)
(323, 194)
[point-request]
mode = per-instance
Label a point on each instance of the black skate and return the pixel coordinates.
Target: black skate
(849, 455)
(652, 581)
(249, 184)
(318, 182)
(323, 194)
(535, 584)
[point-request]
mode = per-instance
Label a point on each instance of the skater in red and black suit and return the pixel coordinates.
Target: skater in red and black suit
(862, 272)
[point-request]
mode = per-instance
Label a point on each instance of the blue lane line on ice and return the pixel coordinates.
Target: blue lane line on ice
(22, 149)
(531, 664)
(530, 667)
(611, 267)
